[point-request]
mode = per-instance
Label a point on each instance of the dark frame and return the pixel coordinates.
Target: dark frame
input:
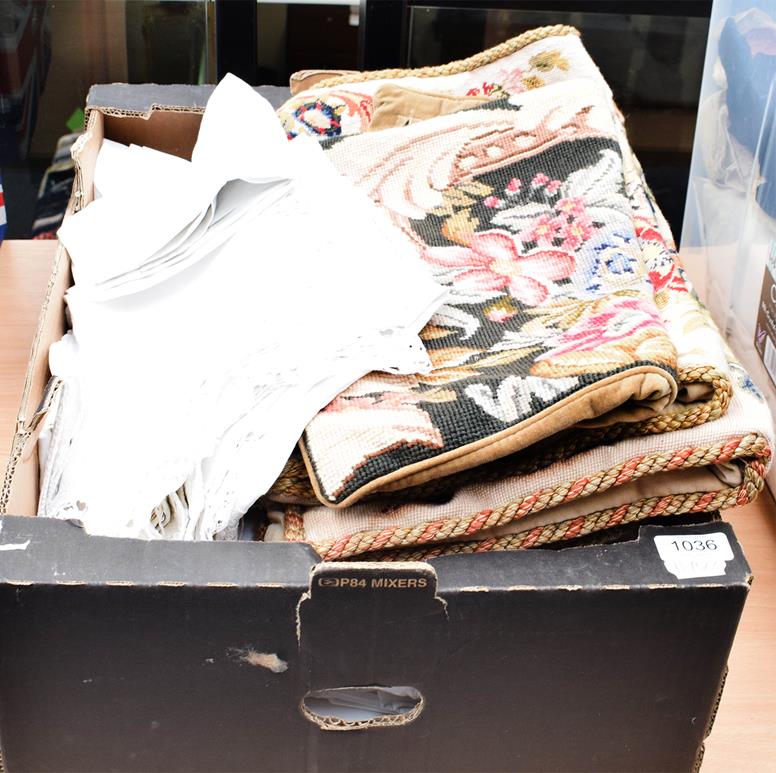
(384, 27)
(236, 39)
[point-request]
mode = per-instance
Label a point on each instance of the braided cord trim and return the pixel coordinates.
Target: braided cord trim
(293, 525)
(588, 524)
(747, 447)
(697, 413)
(293, 483)
(459, 66)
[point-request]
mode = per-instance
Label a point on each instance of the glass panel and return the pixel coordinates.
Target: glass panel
(50, 54)
(305, 34)
(653, 63)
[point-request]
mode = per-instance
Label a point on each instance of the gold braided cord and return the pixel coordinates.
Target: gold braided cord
(293, 524)
(588, 524)
(293, 485)
(453, 68)
(460, 528)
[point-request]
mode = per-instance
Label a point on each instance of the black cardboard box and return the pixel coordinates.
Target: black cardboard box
(130, 655)
(137, 656)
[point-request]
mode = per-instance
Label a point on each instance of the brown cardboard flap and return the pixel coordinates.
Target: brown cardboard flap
(173, 131)
(169, 131)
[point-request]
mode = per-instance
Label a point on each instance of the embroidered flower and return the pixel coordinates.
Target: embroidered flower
(499, 315)
(320, 118)
(550, 186)
(621, 319)
(573, 206)
(544, 230)
(500, 310)
(548, 60)
(576, 232)
(533, 82)
(331, 115)
(666, 274)
(485, 90)
(619, 262)
(646, 231)
(350, 413)
(513, 186)
(613, 256)
(491, 201)
(493, 262)
(511, 80)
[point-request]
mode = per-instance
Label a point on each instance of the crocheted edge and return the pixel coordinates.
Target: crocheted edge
(752, 446)
(461, 65)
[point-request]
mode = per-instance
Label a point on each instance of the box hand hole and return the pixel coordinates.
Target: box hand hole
(360, 708)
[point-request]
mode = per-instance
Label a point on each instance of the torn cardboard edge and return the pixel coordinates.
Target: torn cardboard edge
(141, 100)
(59, 553)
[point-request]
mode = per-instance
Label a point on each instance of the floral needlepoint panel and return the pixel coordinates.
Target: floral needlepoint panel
(520, 210)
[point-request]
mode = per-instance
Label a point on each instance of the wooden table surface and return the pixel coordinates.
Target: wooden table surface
(743, 739)
(744, 734)
(25, 267)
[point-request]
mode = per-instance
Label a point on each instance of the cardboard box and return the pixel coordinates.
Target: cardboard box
(136, 656)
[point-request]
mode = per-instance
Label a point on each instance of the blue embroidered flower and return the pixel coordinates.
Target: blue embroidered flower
(745, 381)
(620, 263)
(608, 254)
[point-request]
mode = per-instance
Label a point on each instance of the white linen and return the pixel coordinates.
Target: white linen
(219, 304)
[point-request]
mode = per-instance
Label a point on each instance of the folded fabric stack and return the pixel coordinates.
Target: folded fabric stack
(577, 381)
(216, 309)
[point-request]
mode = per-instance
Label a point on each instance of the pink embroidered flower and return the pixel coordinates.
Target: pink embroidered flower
(492, 262)
(574, 206)
(513, 186)
(544, 230)
(539, 180)
(552, 187)
(576, 232)
(491, 201)
(511, 80)
(623, 319)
